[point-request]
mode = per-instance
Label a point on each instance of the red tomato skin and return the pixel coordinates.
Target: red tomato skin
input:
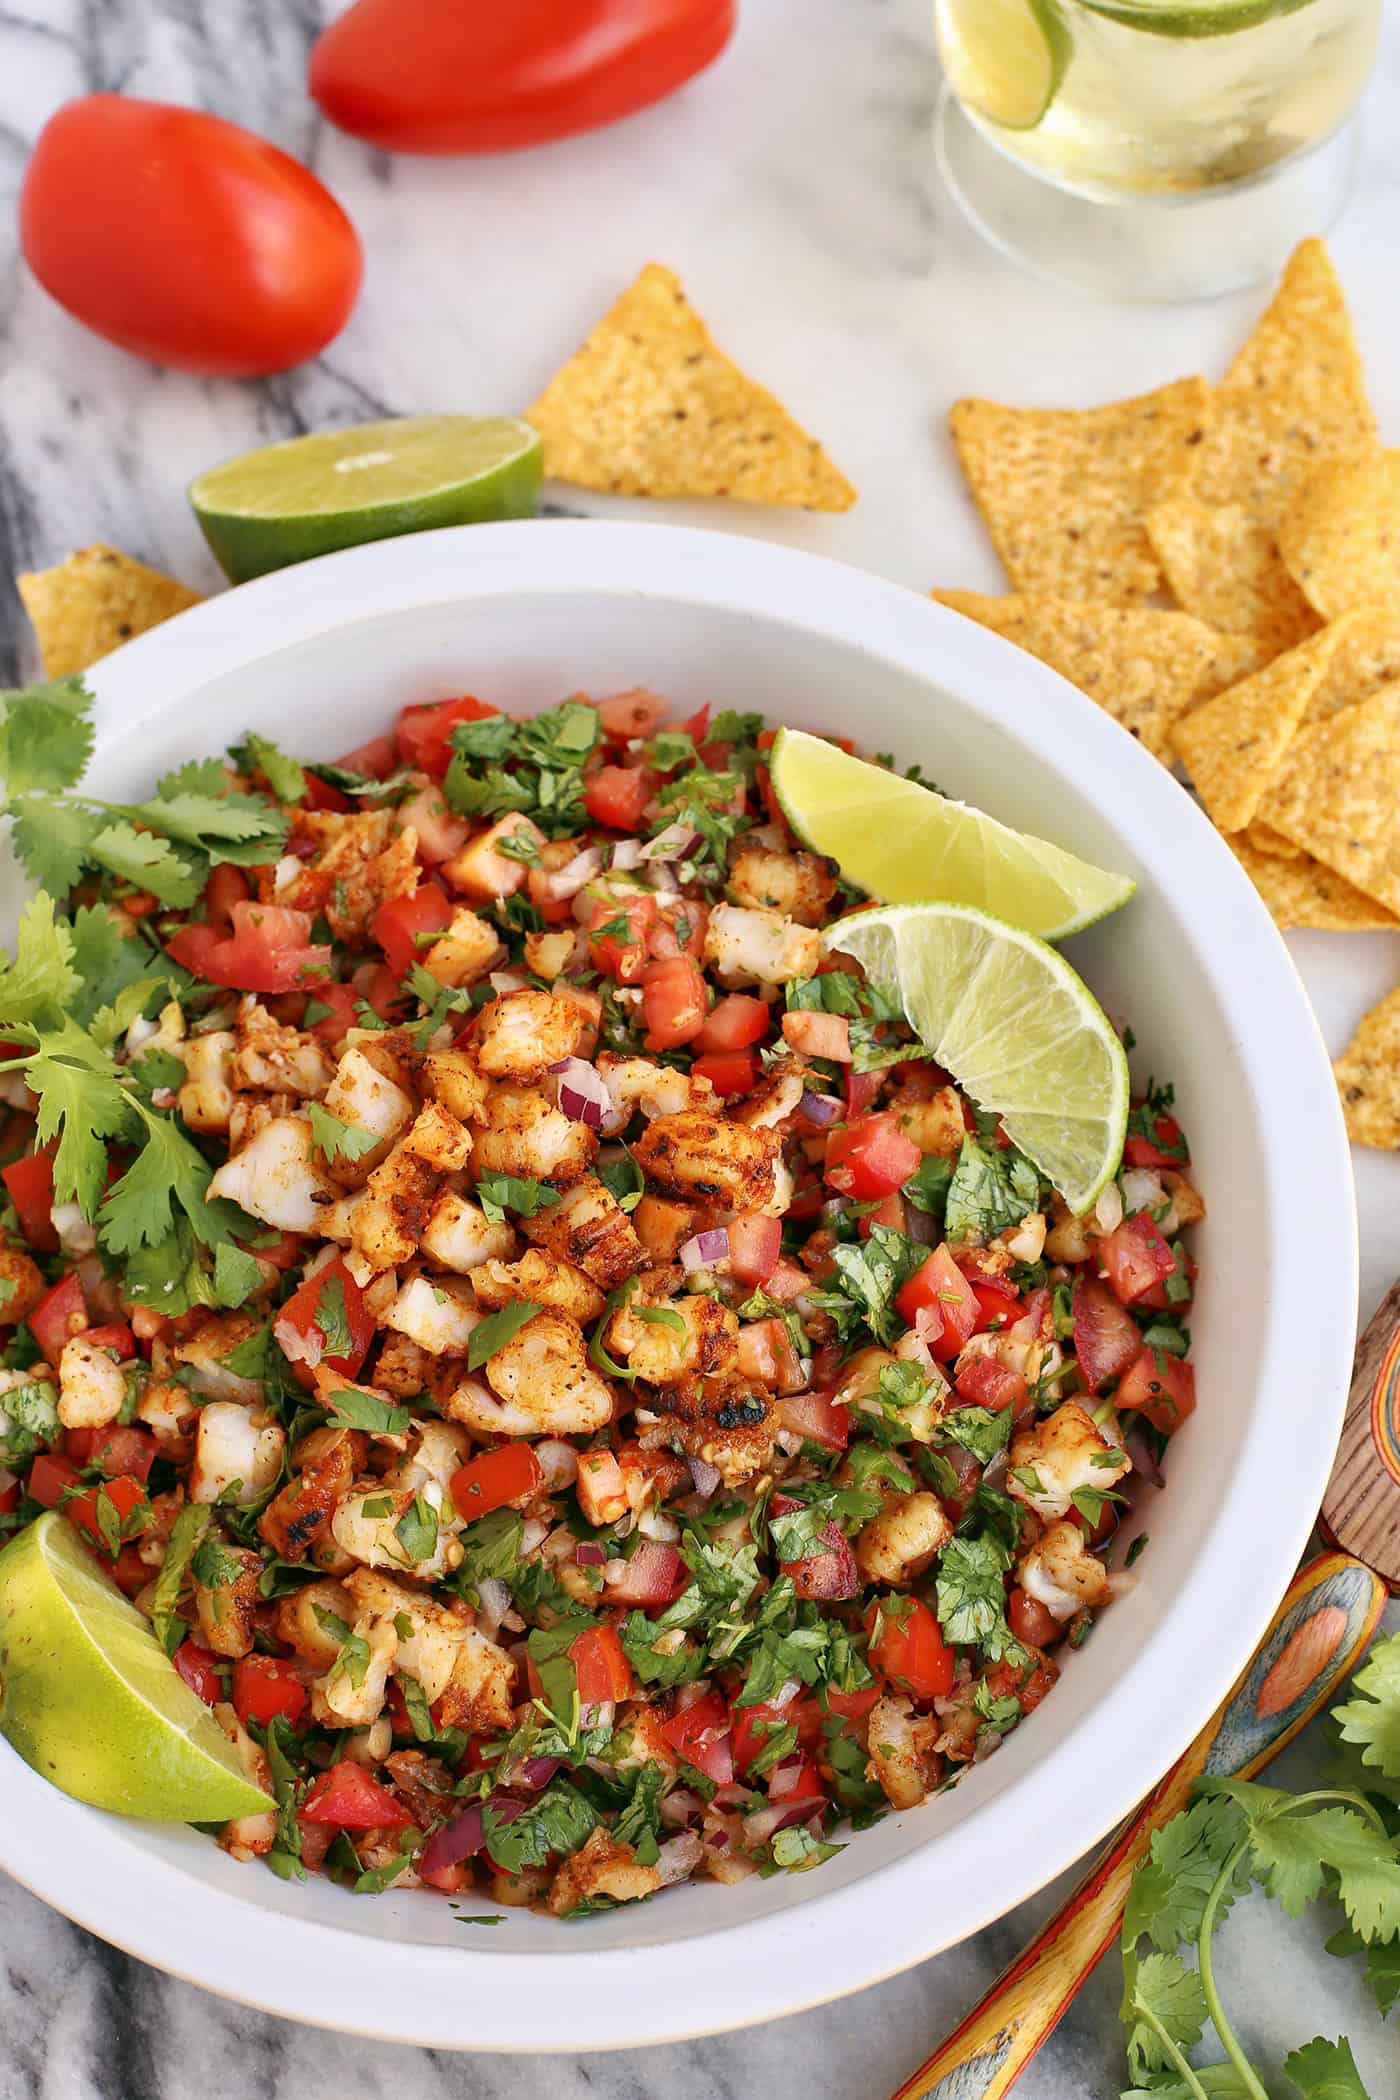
(397, 924)
(1136, 1257)
(186, 239)
(622, 957)
(1031, 1622)
(50, 1478)
(376, 759)
(817, 1417)
(265, 1686)
(298, 1317)
(870, 1158)
(509, 1474)
(909, 1650)
(200, 1670)
(733, 1024)
(424, 733)
(342, 1000)
(30, 1185)
(628, 715)
(123, 1491)
(673, 1002)
(1106, 1337)
(268, 950)
(704, 1717)
(983, 1382)
(729, 1072)
(60, 1314)
(617, 796)
(1170, 1149)
(1165, 1394)
(755, 1244)
(227, 886)
(941, 1291)
(852, 1706)
(121, 1449)
(413, 76)
(602, 1668)
(350, 1798)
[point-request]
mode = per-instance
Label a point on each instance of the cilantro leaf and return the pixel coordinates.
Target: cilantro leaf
(336, 1139)
(1324, 2070)
(168, 1172)
(81, 1103)
(151, 863)
(42, 979)
(285, 777)
(873, 1270)
(236, 1276)
(51, 838)
(1164, 1999)
(362, 1410)
(186, 1536)
(498, 1193)
(497, 1329)
(1296, 1853)
(972, 1596)
(621, 1176)
(1372, 1721)
(417, 1529)
(559, 1820)
(978, 1430)
(46, 735)
(332, 1318)
(1169, 1889)
(990, 1190)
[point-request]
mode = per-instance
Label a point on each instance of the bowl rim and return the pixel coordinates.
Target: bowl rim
(90, 1866)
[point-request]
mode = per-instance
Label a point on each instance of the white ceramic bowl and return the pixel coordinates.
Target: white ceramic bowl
(320, 657)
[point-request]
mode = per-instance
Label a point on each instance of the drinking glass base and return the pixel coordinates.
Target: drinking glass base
(1154, 249)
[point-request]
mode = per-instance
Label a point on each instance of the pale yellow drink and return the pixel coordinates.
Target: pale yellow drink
(1116, 97)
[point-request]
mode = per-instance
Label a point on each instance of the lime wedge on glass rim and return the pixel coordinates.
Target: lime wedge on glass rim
(1005, 59)
(369, 481)
(1192, 18)
(90, 1699)
(1018, 1029)
(905, 843)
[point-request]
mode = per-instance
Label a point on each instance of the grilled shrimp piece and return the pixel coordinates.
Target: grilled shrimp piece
(366, 1526)
(358, 864)
(637, 1083)
(205, 1099)
(337, 1700)
(798, 885)
(170, 1414)
(202, 1356)
(1061, 1573)
(903, 1540)
(521, 1034)
(361, 1094)
(721, 1421)
(590, 1229)
(91, 1387)
(460, 1236)
(277, 1176)
(273, 1059)
(683, 1338)
(773, 1100)
(299, 1620)
(247, 1837)
(223, 1611)
(327, 1462)
(601, 1867)
(542, 1277)
(435, 1634)
(759, 947)
(480, 1692)
(451, 1078)
(541, 1384)
(1057, 1457)
(437, 1314)
(523, 1133)
(235, 1446)
(706, 1155)
(610, 1483)
(485, 874)
(466, 951)
(389, 1219)
(902, 1759)
(935, 1124)
(438, 1449)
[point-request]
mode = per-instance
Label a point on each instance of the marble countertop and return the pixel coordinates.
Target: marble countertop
(794, 189)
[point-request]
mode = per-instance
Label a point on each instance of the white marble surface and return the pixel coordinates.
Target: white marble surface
(794, 189)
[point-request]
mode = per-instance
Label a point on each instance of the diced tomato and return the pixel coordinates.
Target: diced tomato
(1169, 1150)
(11, 1492)
(940, 1291)
(301, 1336)
(1160, 1299)
(116, 1336)
(1106, 1337)
(604, 1672)
(511, 1473)
(787, 1283)
(29, 1182)
(700, 1734)
(227, 886)
(265, 1686)
(439, 832)
(763, 781)
(983, 1382)
(907, 1648)
(795, 1779)
(424, 733)
(1136, 1257)
(674, 1002)
(397, 925)
(1007, 1680)
(735, 1022)
(649, 1577)
(861, 1089)
(852, 1706)
(969, 1474)
(694, 726)
(375, 759)
(50, 1478)
(129, 1571)
(755, 1244)
(729, 1072)
(998, 1302)
(754, 1729)
(890, 1211)
(283, 1252)
(350, 1798)
(200, 1670)
(617, 934)
(331, 1028)
(60, 1314)
(870, 1157)
(268, 950)
(628, 715)
(122, 1448)
(123, 1493)
(678, 929)
(320, 795)
(817, 1417)
(617, 796)
(766, 1355)
(828, 1575)
(819, 1035)
(1161, 1387)
(385, 995)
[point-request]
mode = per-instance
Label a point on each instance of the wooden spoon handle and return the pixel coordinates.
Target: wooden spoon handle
(1315, 1639)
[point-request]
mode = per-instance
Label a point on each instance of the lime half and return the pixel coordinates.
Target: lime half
(1016, 1027)
(1005, 59)
(1193, 18)
(905, 844)
(89, 1698)
(370, 481)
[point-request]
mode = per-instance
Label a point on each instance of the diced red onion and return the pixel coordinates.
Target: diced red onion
(465, 1835)
(600, 1714)
(1144, 1458)
(704, 1249)
(495, 1603)
(535, 1773)
(705, 1478)
(626, 854)
(300, 1346)
(558, 1463)
(784, 1777)
(534, 1534)
(679, 1806)
(589, 1553)
(765, 1823)
(678, 1858)
(583, 1098)
(787, 1691)
(569, 880)
(921, 1226)
(717, 1840)
(677, 842)
(996, 1466)
(819, 1109)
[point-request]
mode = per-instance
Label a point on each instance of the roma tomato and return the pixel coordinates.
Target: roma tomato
(617, 934)
(268, 950)
(907, 1648)
(1106, 1336)
(673, 1002)
(397, 925)
(200, 1669)
(734, 1023)
(755, 1243)
(983, 1382)
(728, 1071)
(1165, 1147)
(186, 239)
(940, 1291)
(509, 1474)
(413, 76)
(312, 1310)
(1136, 1257)
(817, 1417)
(425, 733)
(870, 1158)
(330, 1029)
(60, 1314)
(1161, 1387)
(1031, 1622)
(30, 1185)
(700, 1734)
(349, 1798)
(603, 1670)
(265, 1686)
(617, 796)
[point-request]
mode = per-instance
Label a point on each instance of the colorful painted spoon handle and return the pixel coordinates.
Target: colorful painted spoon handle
(1316, 1637)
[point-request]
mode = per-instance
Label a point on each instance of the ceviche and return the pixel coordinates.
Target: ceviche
(586, 1401)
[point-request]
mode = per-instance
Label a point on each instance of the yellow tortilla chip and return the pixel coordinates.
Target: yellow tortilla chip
(1225, 567)
(1295, 393)
(1301, 892)
(1064, 491)
(650, 407)
(1265, 840)
(92, 603)
(1233, 745)
(1368, 1078)
(1340, 530)
(1367, 656)
(1145, 668)
(1339, 792)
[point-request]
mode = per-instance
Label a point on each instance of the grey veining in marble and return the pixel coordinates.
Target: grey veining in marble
(794, 188)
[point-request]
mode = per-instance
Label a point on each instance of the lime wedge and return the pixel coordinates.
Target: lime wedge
(339, 488)
(1016, 1027)
(1005, 59)
(904, 843)
(1196, 18)
(89, 1698)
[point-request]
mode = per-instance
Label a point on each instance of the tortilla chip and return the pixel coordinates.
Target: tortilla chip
(1064, 491)
(1340, 530)
(1368, 1078)
(1225, 567)
(1266, 840)
(1295, 393)
(1367, 656)
(650, 407)
(1145, 668)
(1233, 746)
(1302, 892)
(1339, 792)
(92, 603)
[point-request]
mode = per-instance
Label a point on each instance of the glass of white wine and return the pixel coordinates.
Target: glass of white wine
(1153, 149)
